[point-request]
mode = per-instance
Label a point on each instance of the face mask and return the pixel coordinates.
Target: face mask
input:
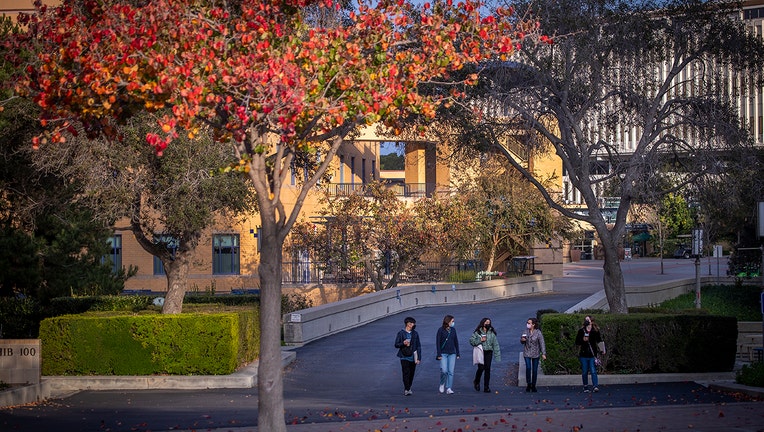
(487, 326)
(528, 326)
(587, 322)
(452, 323)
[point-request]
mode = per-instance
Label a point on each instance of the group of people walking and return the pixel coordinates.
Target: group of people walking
(486, 350)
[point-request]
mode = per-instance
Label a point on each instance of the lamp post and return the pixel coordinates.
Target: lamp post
(697, 247)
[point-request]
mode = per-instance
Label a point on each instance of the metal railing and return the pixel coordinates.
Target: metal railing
(400, 189)
(310, 272)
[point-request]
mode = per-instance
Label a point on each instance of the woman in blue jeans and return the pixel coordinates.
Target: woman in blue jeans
(533, 348)
(587, 340)
(448, 351)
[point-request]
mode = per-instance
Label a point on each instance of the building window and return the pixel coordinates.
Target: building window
(363, 171)
(373, 170)
(115, 256)
(172, 246)
(225, 254)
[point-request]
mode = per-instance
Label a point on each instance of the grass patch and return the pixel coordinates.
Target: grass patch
(752, 375)
(742, 302)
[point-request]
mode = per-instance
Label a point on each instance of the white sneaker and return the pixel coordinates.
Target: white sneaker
(442, 388)
(449, 391)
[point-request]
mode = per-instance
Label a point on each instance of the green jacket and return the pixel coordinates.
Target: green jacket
(491, 343)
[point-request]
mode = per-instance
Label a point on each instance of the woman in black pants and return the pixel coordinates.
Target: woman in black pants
(409, 351)
(485, 336)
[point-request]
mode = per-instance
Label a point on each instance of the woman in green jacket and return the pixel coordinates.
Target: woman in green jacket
(485, 336)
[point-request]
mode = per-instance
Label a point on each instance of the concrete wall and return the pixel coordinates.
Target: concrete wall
(646, 295)
(307, 325)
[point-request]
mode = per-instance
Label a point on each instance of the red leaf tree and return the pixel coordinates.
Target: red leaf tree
(254, 71)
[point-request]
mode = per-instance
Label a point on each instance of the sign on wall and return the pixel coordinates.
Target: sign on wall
(20, 361)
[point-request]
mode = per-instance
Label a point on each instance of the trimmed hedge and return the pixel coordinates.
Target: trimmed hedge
(645, 343)
(183, 344)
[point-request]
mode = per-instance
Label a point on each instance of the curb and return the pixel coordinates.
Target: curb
(62, 386)
(575, 380)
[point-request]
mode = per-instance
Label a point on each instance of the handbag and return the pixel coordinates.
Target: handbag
(601, 346)
(477, 355)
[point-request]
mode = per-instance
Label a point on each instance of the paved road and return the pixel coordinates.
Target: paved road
(351, 382)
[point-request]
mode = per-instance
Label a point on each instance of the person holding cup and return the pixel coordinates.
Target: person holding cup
(534, 348)
(409, 351)
(587, 340)
(485, 336)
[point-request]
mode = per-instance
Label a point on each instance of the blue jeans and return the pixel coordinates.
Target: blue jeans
(531, 370)
(447, 364)
(587, 365)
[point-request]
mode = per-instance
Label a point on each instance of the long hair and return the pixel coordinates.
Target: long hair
(447, 321)
(594, 325)
(482, 324)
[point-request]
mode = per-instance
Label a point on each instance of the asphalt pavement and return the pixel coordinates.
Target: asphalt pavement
(352, 382)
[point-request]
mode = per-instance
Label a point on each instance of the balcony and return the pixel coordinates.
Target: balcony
(407, 190)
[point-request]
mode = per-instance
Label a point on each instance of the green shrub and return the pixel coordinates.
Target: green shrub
(19, 317)
(645, 343)
(294, 301)
(751, 375)
(541, 312)
(228, 300)
(207, 344)
(76, 305)
(462, 276)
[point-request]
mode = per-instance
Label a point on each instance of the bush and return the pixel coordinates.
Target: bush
(19, 318)
(294, 302)
(645, 343)
(462, 276)
(751, 375)
(208, 344)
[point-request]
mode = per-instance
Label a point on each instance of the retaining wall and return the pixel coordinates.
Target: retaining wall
(645, 295)
(306, 325)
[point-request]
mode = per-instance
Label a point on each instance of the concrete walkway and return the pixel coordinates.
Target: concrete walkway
(351, 382)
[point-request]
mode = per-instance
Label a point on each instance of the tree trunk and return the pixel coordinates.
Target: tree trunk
(374, 274)
(613, 277)
(270, 381)
(177, 276)
(492, 253)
